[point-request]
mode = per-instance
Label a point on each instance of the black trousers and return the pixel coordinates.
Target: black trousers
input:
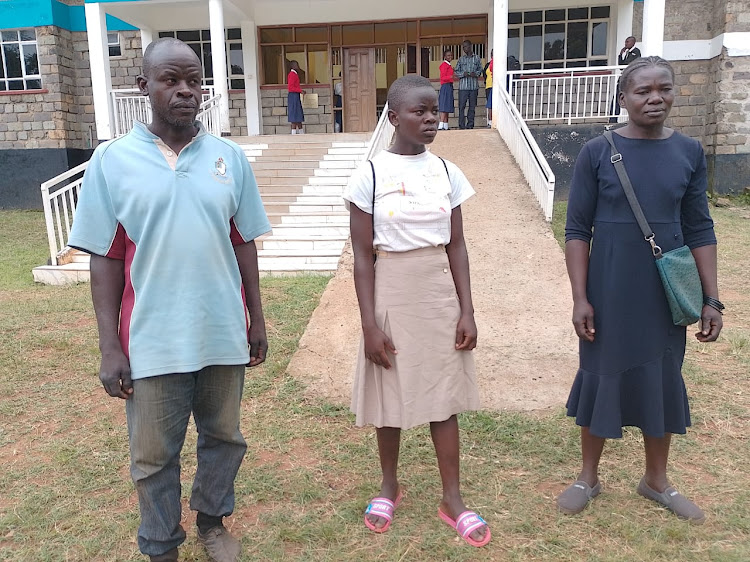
(467, 96)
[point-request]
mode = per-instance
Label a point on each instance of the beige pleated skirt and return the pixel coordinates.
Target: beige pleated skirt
(417, 307)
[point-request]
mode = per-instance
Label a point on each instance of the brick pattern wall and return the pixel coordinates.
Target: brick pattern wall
(687, 19)
(729, 125)
(274, 110)
(237, 114)
(126, 67)
(692, 85)
(58, 118)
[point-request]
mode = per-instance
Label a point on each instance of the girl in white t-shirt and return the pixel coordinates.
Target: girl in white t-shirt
(415, 363)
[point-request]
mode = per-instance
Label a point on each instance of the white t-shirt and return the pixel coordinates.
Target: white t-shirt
(413, 200)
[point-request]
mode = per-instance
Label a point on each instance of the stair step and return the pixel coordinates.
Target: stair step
(309, 244)
(279, 181)
(286, 172)
(270, 164)
(295, 229)
(294, 253)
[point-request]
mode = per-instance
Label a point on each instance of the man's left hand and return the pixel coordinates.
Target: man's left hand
(256, 336)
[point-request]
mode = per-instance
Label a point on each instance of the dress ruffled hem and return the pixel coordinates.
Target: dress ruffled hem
(651, 397)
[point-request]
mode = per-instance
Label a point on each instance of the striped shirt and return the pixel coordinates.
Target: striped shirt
(466, 65)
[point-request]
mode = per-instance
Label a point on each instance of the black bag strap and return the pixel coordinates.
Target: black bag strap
(446, 167)
(627, 187)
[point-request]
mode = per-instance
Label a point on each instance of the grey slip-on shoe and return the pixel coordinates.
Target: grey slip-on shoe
(220, 545)
(673, 501)
(576, 496)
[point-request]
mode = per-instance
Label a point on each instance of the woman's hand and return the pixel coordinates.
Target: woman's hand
(583, 320)
(377, 346)
(466, 333)
(711, 324)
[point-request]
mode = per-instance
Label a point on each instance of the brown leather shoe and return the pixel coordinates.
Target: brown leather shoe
(220, 545)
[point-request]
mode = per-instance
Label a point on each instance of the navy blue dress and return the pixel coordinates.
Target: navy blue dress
(631, 374)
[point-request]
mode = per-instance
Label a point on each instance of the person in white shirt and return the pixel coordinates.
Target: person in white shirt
(415, 362)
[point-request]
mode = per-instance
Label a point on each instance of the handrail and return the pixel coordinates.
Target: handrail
(382, 136)
(208, 114)
(60, 208)
(526, 151)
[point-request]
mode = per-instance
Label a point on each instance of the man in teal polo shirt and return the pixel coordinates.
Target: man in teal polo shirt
(169, 214)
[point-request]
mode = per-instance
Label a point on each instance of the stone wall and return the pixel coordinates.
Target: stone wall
(237, 113)
(692, 85)
(274, 111)
(58, 117)
(687, 20)
(127, 66)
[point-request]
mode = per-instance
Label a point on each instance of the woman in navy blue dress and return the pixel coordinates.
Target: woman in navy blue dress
(631, 353)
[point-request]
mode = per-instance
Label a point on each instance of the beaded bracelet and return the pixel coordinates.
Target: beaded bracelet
(714, 303)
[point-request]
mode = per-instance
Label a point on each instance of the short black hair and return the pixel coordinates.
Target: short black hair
(638, 64)
(398, 89)
(629, 38)
(446, 51)
(148, 54)
(467, 42)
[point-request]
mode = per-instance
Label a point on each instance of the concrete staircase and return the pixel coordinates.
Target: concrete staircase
(301, 180)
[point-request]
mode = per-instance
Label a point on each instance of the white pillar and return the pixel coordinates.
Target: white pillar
(500, 58)
(252, 80)
(653, 28)
(219, 59)
(101, 77)
(624, 25)
(147, 37)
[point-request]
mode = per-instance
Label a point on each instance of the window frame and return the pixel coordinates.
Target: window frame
(25, 77)
(209, 80)
(589, 60)
(117, 44)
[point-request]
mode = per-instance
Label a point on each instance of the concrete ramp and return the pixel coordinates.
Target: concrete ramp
(527, 352)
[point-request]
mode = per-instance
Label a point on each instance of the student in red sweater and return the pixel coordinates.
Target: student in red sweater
(445, 101)
(294, 99)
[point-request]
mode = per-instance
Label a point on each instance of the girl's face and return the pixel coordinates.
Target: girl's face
(449, 56)
(415, 120)
(649, 96)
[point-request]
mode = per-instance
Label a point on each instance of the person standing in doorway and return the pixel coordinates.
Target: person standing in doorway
(294, 99)
(468, 70)
(169, 214)
(445, 101)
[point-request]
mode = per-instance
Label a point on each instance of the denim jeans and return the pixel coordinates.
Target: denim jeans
(464, 96)
(158, 413)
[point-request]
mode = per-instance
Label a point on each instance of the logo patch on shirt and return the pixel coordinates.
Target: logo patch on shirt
(221, 167)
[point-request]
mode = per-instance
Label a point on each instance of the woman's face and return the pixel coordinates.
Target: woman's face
(449, 56)
(649, 96)
(416, 118)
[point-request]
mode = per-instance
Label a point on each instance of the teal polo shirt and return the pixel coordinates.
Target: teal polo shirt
(174, 220)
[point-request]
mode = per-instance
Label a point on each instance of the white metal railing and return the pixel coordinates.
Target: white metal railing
(383, 135)
(130, 105)
(570, 94)
(526, 151)
(59, 199)
(209, 115)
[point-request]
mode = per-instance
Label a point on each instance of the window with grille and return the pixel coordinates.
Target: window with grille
(113, 42)
(19, 67)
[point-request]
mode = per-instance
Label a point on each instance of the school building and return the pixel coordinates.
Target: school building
(68, 68)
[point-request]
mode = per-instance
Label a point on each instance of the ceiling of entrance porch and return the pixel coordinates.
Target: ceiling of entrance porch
(193, 14)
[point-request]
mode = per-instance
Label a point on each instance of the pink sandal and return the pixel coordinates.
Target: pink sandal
(382, 507)
(467, 523)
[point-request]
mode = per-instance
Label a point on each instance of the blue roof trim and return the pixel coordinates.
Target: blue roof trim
(15, 14)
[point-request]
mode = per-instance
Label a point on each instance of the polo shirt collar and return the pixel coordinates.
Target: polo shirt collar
(140, 130)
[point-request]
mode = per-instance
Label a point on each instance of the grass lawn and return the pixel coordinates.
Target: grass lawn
(67, 496)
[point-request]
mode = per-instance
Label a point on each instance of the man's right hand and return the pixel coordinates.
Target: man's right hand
(115, 375)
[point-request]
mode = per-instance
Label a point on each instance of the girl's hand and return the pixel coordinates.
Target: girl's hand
(583, 320)
(466, 333)
(377, 346)
(710, 325)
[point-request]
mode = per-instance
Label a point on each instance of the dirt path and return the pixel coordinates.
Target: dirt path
(527, 352)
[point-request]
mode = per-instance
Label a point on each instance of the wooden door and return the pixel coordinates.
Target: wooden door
(360, 90)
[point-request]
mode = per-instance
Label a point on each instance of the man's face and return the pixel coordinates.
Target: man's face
(173, 85)
(629, 43)
(467, 48)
